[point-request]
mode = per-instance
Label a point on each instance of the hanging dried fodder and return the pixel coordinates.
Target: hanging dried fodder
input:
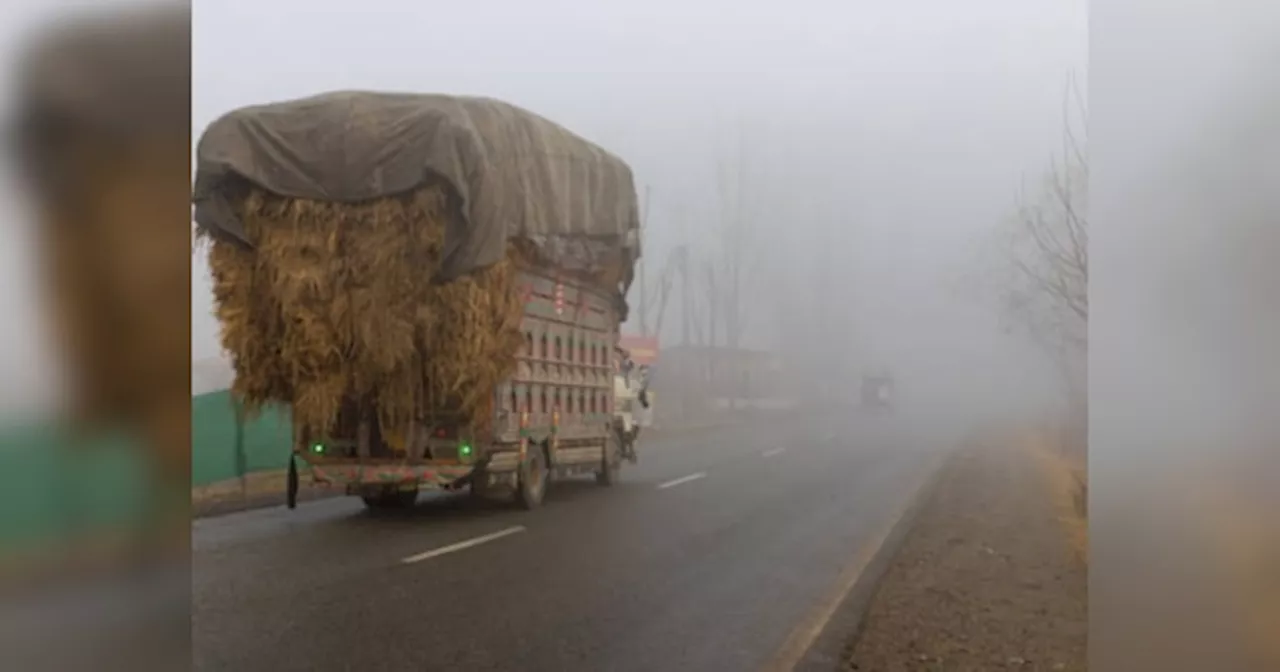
(334, 302)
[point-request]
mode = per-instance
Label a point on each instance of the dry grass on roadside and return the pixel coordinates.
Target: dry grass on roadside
(1065, 465)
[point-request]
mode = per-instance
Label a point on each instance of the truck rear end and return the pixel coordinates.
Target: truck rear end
(551, 418)
(435, 313)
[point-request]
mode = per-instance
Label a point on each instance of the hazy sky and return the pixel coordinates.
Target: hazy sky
(886, 136)
(889, 135)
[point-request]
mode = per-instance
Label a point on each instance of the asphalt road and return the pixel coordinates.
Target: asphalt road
(709, 555)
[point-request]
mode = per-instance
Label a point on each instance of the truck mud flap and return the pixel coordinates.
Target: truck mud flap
(291, 484)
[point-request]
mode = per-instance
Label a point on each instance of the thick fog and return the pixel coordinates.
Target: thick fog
(875, 146)
(1182, 355)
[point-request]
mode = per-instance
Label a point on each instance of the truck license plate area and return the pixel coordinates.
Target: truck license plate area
(380, 489)
(426, 477)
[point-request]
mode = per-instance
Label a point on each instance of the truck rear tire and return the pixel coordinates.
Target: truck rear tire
(483, 491)
(479, 488)
(391, 500)
(532, 482)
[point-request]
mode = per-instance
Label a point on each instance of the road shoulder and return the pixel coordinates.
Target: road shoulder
(988, 577)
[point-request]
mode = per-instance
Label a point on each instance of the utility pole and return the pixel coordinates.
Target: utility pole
(713, 322)
(686, 323)
(686, 297)
(825, 347)
(735, 231)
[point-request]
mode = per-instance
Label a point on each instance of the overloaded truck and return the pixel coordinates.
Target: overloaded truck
(432, 284)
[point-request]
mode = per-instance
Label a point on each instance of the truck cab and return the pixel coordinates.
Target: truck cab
(630, 394)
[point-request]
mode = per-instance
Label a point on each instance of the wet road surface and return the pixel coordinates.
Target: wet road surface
(706, 556)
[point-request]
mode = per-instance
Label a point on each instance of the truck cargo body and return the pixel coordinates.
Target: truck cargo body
(553, 416)
(372, 174)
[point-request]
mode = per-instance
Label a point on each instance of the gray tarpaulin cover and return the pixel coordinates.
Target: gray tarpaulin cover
(514, 173)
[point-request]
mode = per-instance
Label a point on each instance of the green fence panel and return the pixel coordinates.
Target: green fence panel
(52, 489)
(266, 439)
(213, 438)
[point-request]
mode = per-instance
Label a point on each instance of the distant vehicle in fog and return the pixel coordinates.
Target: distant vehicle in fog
(877, 390)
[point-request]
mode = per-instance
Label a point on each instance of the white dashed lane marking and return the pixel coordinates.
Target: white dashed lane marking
(462, 545)
(682, 479)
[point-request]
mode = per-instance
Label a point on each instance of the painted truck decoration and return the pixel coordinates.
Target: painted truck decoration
(552, 418)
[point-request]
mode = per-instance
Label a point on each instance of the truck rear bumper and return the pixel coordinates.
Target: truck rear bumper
(422, 476)
(426, 477)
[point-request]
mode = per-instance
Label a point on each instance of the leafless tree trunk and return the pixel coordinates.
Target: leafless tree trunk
(1047, 293)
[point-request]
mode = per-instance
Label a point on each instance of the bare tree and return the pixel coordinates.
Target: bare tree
(654, 313)
(1046, 288)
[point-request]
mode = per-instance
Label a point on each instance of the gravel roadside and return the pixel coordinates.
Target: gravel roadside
(988, 578)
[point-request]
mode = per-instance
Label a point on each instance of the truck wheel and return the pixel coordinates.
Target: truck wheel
(391, 500)
(479, 485)
(611, 463)
(481, 491)
(532, 484)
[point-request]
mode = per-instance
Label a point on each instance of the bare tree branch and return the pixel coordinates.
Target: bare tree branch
(1047, 258)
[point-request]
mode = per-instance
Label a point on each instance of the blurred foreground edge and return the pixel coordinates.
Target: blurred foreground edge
(97, 532)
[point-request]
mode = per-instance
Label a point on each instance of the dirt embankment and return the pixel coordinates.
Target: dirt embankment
(993, 574)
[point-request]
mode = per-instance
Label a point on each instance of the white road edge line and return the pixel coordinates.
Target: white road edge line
(461, 545)
(771, 453)
(682, 479)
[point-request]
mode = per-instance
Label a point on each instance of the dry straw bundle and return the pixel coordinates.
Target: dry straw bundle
(334, 301)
